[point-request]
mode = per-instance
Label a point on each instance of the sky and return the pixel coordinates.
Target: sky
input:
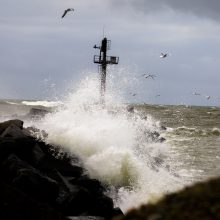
(41, 55)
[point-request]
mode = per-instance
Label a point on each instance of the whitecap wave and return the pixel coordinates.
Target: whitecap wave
(42, 103)
(115, 145)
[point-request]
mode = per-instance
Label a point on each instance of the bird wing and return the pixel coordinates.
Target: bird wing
(151, 76)
(67, 10)
(163, 55)
(64, 13)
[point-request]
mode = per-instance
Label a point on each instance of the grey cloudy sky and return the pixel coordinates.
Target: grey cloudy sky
(40, 53)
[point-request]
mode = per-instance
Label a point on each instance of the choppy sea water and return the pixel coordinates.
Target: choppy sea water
(116, 146)
(194, 136)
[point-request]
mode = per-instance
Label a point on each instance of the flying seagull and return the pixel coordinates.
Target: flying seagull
(149, 75)
(133, 94)
(163, 55)
(67, 10)
(208, 97)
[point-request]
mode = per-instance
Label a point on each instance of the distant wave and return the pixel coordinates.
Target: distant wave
(12, 103)
(42, 103)
(190, 131)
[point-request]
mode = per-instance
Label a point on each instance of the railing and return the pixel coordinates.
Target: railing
(109, 59)
(97, 59)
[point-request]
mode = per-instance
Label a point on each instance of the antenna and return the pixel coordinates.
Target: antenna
(103, 31)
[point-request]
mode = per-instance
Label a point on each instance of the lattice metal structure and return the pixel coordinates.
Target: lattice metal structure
(103, 60)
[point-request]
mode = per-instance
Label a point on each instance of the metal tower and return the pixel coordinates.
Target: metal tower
(104, 60)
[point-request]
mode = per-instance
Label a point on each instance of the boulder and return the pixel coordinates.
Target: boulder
(197, 202)
(48, 163)
(37, 112)
(37, 133)
(85, 218)
(103, 207)
(6, 124)
(163, 128)
(153, 136)
(39, 173)
(14, 132)
(37, 155)
(22, 147)
(15, 204)
(94, 186)
(77, 202)
(29, 180)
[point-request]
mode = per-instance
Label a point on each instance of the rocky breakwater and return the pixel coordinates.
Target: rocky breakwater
(197, 202)
(37, 181)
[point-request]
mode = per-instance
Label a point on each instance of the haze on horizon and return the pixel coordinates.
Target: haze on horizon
(41, 55)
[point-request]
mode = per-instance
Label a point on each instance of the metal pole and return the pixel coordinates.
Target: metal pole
(103, 70)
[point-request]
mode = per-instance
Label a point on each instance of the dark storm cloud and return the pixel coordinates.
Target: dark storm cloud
(201, 8)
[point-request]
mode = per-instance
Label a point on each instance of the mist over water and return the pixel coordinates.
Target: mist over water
(115, 145)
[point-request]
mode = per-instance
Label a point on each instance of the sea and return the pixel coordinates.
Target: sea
(140, 151)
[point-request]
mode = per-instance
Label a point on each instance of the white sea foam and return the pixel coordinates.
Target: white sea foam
(42, 103)
(115, 145)
(11, 103)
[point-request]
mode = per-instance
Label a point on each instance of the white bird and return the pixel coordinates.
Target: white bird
(67, 10)
(163, 55)
(208, 97)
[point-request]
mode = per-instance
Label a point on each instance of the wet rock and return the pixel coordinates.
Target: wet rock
(64, 187)
(13, 131)
(197, 202)
(37, 112)
(117, 212)
(77, 202)
(22, 147)
(86, 196)
(155, 137)
(130, 109)
(15, 204)
(103, 207)
(25, 177)
(37, 155)
(37, 133)
(6, 124)
(94, 186)
(7, 147)
(163, 128)
(40, 173)
(85, 218)
(161, 139)
(48, 163)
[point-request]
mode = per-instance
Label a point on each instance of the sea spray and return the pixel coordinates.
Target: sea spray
(115, 145)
